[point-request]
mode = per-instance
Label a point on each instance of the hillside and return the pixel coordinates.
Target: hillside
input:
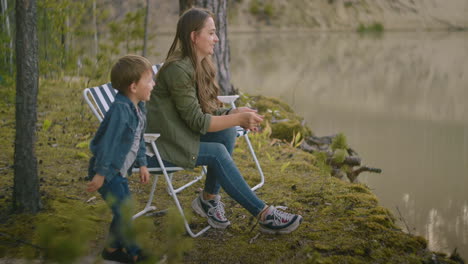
(246, 15)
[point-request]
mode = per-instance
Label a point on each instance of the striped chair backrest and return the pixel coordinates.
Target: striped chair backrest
(101, 97)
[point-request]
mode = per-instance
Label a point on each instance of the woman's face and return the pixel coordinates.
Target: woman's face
(205, 39)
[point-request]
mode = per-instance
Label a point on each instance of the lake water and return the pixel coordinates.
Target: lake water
(400, 98)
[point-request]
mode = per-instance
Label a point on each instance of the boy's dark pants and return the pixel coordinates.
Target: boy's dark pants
(117, 196)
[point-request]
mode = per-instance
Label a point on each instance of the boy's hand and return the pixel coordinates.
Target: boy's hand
(144, 174)
(96, 183)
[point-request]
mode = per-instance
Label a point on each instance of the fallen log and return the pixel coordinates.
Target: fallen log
(343, 167)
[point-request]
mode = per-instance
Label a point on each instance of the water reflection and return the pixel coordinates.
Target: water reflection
(401, 100)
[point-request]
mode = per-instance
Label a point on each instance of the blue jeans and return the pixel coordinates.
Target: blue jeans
(215, 153)
(117, 196)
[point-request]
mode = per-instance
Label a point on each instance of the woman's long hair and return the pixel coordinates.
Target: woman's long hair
(205, 73)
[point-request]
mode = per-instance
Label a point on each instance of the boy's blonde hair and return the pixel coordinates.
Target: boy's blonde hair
(127, 70)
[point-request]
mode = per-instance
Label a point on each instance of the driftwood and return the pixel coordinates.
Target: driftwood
(315, 144)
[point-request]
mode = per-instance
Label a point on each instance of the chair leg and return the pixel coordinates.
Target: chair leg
(174, 196)
(178, 190)
(262, 177)
(148, 207)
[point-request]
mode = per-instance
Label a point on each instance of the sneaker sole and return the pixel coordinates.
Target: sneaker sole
(286, 230)
(196, 206)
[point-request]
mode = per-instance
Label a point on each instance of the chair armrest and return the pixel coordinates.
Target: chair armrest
(151, 137)
(228, 99)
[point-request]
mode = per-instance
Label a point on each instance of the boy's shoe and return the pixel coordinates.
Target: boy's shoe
(143, 257)
(117, 255)
(211, 209)
(279, 222)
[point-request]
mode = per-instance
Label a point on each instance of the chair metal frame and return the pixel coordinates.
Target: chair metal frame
(99, 100)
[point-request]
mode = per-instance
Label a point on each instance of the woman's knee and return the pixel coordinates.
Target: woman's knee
(231, 133)
(218, 150)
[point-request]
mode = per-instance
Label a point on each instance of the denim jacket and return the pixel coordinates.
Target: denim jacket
(115, 137)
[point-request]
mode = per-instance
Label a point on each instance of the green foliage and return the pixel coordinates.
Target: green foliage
(297, 139)
(58, 21)
(126, 36)
(339, 156)
(176, 242)
(254, 7)
(262, 9)
(270, 158)
(46, 125)
(83, 145)
(339, 142)
(67, 241)
(82, 155)
(269, 10)
(129, 31)
(71, 43)
(373, 28)
(285, 166)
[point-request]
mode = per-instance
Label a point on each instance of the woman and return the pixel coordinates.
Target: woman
(195, 131)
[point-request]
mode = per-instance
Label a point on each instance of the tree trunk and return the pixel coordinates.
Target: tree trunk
(96, 42)
(26, 198)
(145, 38)
(222, 51)
(4, 5)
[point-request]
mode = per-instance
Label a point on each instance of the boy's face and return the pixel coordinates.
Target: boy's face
(144, 86)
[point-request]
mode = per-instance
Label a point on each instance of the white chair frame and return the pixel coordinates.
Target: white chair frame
(100, 98)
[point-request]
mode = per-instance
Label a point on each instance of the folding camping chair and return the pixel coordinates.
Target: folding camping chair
(100, 98)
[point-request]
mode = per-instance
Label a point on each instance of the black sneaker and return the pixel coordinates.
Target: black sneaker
(143, 257)
(211, 209)
(117, 255)
(279, 222)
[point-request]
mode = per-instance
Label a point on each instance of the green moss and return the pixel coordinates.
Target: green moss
(360, 188)
(287, 130)
(339, 142)
(285, 124)
(339, 156)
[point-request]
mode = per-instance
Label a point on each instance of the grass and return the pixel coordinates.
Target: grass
(343, 222)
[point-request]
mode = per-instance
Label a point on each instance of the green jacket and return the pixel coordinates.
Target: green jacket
(175, 112)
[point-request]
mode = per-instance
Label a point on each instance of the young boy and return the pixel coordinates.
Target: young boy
(119, 143)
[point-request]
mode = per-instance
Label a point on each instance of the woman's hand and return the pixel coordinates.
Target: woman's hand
(96, 183)
(242, 110)
(144, 175)
(250, 120)
(243, 116)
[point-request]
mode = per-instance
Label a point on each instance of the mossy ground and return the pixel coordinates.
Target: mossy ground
(343, 222)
